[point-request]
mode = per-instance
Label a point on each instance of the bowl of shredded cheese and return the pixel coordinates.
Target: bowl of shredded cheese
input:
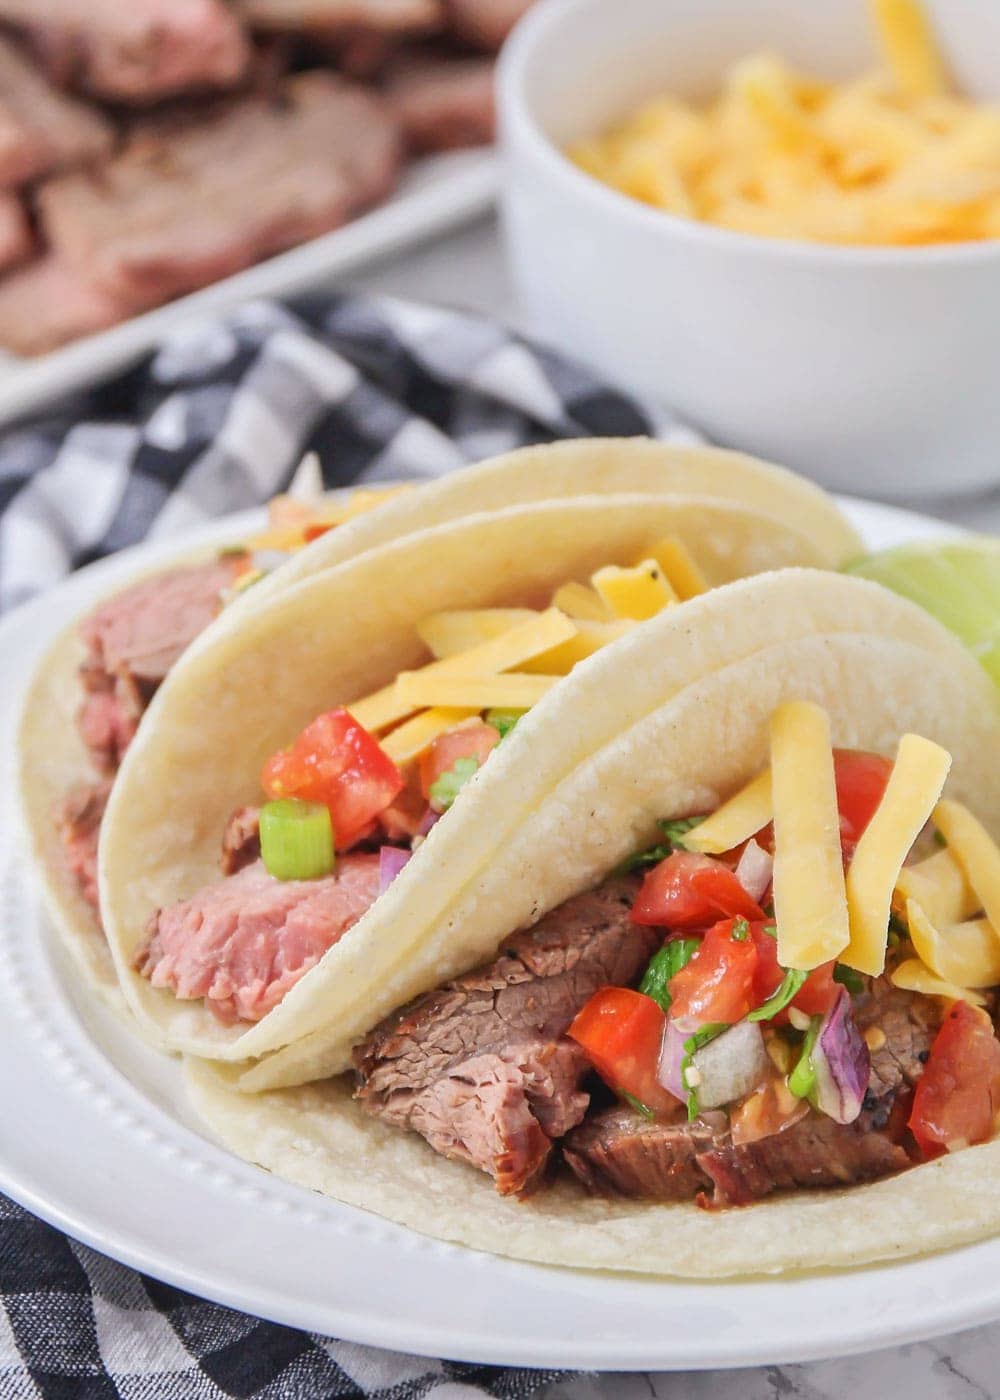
(784, 219)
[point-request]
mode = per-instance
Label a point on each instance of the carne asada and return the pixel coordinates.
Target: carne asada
(41, 129)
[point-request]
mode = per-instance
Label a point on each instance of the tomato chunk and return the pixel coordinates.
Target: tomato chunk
(957, 1098)
(471, 739)
(621, 1032)
(688, 891)
(814, 997)
(337, 762)
(718, 983)
(861, 780)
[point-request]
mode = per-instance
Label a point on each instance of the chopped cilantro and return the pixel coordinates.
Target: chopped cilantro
(692, 1045)
(503, 721)
(898, 931)
(790, 986)
(741, 931)
(637, 1104)
(674, 833)
(850, 979)
(445, 789)
(771, 930)
(663, 966)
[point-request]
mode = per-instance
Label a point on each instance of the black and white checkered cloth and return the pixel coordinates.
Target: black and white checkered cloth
(215, 422)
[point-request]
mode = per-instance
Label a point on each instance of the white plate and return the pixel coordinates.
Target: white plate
(435, 194)
(96, 1138)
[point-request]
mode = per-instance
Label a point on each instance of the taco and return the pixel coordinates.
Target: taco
(90, 692)
(719, 962)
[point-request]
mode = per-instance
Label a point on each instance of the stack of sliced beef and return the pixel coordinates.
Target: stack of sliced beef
(151, 147)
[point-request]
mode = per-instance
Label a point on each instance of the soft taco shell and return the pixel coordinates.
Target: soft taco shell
(693, 750)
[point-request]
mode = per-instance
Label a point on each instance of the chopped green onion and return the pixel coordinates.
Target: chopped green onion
(694, 1042)
(503, 721)
(790, 986)
(741, 931)
(637, 1104)
(445, 789)
(296, 839)
(664, 965)
(850, 979)
(802, 1080)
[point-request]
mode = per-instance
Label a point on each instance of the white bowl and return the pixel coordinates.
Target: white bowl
(876, 370)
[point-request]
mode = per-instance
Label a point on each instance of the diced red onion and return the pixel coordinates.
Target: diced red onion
(842, 1062)
(672, 1053)
(391, 860)
(428, 820)
(754, 870)
(731, 1065)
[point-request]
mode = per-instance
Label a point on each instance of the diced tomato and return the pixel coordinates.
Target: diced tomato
(313, 532)
(471, 739)
(815, 996)
(861, 779)
(718, 983)
(688, 891)
(957, 1098)
(621, 1032)
(337, 762)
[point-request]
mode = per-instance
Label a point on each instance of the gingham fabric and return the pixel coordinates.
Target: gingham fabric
(217, 421)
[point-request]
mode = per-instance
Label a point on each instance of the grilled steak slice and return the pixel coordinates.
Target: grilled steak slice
(190, 200)
(78, 821)
(443, 103)
(909, 1023)
(485, 23)
(242, 942)
(136, 51)
(41, 130)
(618, 1153)
(46, 303)
(240, 840)
(464, 1064)
(133, 640)
(325, 17)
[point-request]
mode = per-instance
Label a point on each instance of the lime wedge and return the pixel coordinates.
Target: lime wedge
(957, 581)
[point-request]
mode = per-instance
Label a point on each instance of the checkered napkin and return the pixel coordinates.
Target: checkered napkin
(218, 421)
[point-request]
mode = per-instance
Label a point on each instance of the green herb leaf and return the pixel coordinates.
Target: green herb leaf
(802, 1080)
(741, 931)
(643, 858)
(850, 979)
(637, 1104)
(503, 721)
(898, 930)
(789, 987)
(771, 930)
(663, 966)
(446, 788)
(694, 1042)
(674, 832)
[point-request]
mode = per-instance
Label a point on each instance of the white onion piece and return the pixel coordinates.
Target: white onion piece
(754, 870)
(731, 1065)
(391, 860)
(671, 1055)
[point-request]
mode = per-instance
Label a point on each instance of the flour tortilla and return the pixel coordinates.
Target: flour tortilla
(345, 632)
(689, 753)
(53, 757)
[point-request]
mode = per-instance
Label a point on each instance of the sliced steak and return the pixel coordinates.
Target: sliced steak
(47, 303)
(41, 130)
(78, 820)
(16, 239)
(443, 102)
(326, 17)
(485, 23)
(132, 641)
(619, 1153)
(190, 200)
(240, 840)
(136, 51)
(909, 1022)
(242, 942)
(465, 1064)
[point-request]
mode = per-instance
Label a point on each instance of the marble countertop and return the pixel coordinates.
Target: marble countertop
(467, 269)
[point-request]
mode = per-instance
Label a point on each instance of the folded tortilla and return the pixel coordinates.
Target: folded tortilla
(880, 669)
